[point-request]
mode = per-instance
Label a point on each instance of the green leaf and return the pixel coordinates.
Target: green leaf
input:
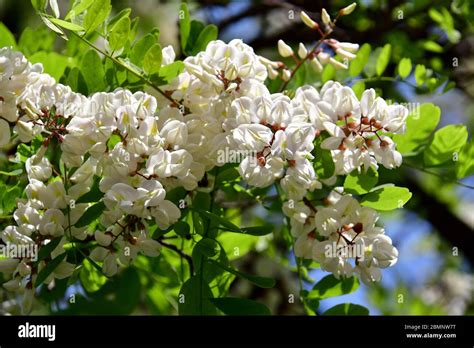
(218, 220)
(421, 123)
(76, 81)
(328, 73)
(358, 88)
(258, 230)
(370, 68)
(39, 5)
(357, 65)
(360, 183)
(47, 249)
(152, 60)
(432, 46)
(125, 13)
(347, 309)
(323, 163)
(46, 20)
(404, 67)
(118, 35)
(227, 175)
(208, 34)
(6, 37)
(195, 298)
(184, 25)
(207, 247)
(141, 47)
(79, 8)
(262, 282)
(383, 59)
(34, 40)
(196, 28)
(387, 198)
(91, 279)
(93, 72)
(96, 14)
(49, 268)
(170, 71)
(133, 29)
(420, 74)
(240, 306)
(66, 25)
(182, 229)
(15, 172)
(9, 199)
(465, 163)
(91, 214)
(330, 286)
(445, 145)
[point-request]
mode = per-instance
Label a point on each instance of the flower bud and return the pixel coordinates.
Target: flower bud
(345, 54)
(302, 51)
(348, 9)
(324, 57)
(286, 75)
(348, 46)
(284, 49)
(272, 74)
(337, 64)
(308, 21)
(325, 17)
(316, 64)
(102, 238)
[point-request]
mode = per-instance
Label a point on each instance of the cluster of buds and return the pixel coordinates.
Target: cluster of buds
(317, 56)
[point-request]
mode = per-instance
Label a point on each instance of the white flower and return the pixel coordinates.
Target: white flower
(166, 163)
(168, 55)
(165, 214)
(261, 172)
(253, 137)
(38, 167)
(52, 223)
(175, 132)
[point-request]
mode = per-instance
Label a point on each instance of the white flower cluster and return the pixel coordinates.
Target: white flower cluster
(341, 236)
(141, 146)
(114, 136)
(241, 115)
